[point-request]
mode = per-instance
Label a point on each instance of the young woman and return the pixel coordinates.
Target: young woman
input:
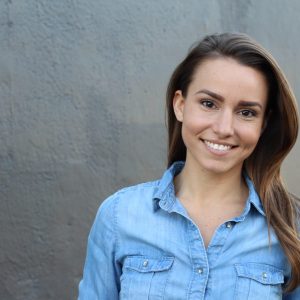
(219, 224)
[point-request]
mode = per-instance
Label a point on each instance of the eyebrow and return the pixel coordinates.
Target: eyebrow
(221, 98)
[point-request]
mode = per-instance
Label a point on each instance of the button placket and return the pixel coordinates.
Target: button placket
(199, 262)
(200, 271)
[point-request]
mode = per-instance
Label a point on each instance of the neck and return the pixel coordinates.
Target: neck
(202, 187)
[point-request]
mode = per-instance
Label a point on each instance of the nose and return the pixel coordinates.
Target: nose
(223, 124)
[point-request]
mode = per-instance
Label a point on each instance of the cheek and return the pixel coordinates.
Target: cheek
(190, 131)
(193, 127)
(194, 120)
(250, 136)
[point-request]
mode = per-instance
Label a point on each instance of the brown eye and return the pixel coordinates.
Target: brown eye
(208, 103)
(248, 113)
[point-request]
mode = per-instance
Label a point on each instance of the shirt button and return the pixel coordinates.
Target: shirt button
(145, 263)
(229, 225)
(264, 275)
(200, 271)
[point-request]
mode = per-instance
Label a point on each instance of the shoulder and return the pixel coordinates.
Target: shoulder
(145, 187)
(131, 196)
(122, 206)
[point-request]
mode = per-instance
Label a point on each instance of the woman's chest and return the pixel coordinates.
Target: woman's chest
(238, 264)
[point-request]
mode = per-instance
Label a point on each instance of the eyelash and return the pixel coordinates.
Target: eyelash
(210, 104)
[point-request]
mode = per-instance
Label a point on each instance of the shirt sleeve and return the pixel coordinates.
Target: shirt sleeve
(101, 271)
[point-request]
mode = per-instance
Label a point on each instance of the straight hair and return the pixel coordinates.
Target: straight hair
(278, 137)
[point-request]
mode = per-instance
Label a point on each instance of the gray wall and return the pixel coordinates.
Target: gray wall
(82, 114)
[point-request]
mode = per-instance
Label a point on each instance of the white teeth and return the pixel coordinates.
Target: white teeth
(217, 146)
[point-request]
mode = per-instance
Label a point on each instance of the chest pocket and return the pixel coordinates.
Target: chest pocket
(258, 281)
(144, 277)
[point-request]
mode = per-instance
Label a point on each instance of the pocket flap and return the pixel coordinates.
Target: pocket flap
(147, 264)
(262, 273)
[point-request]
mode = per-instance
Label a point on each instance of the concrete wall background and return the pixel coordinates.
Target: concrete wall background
(82, 113)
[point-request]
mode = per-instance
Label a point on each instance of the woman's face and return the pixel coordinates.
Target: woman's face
(222, 114)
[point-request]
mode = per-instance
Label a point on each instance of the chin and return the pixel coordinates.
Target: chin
(217, 171)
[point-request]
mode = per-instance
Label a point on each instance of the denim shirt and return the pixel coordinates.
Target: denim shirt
(144, 245)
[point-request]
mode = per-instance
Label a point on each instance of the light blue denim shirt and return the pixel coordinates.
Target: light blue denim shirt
(143, 245)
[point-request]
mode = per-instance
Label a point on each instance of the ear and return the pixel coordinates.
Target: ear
(178, 105)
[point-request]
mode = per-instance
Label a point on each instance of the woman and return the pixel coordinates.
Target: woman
(219, 224)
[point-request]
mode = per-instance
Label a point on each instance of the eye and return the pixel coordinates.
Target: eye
(247, 113)
(208, 103)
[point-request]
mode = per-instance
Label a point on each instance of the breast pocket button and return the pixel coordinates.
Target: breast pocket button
(145, 263)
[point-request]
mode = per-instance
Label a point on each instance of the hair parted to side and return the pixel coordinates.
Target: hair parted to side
(279, 136)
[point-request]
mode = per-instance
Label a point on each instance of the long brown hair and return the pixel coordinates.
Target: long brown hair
(279, 135)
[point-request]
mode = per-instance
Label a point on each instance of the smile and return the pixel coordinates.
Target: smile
(218, 147)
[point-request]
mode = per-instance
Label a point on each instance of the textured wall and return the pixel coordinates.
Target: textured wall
(82, 89)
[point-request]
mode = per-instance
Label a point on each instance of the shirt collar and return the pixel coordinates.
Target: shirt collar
(164, 196)
(253, 196)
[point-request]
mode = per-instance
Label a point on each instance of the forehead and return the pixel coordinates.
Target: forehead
(229, 78)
